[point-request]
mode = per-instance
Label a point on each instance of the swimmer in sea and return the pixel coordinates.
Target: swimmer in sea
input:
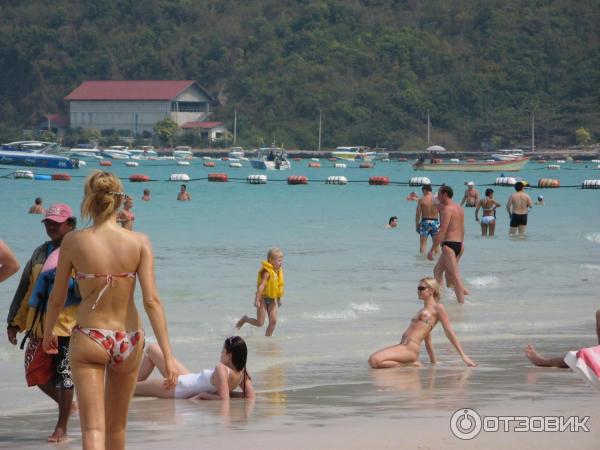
(38, 207)
(413, 196)
(540, 200)
(489, 205)
(392, 223)
(419, 330)
(518, 206)
(146, 196)
(125, 217)
(471, 197)
(219, 383)
(183, 194)
(554, 361)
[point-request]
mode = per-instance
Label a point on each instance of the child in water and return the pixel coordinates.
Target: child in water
(270, 289)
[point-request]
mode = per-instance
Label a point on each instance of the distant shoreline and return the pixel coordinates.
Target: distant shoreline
(579, 154)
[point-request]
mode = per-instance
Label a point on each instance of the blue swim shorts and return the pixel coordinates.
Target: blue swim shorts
(429, 227)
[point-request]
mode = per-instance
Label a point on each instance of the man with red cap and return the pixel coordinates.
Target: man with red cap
(51, 373)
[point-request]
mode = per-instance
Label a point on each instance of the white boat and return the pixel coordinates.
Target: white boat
(143, 153)
(37, 154)
(358, 153)
(42, 147)
(508, 154)
(183, 152)
(236, 152)
(270, 158)
(116, 152)
(85, 151)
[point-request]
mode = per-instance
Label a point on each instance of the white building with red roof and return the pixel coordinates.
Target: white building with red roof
(138, 105)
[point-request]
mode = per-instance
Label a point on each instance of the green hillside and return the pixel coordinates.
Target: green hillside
(373, 67)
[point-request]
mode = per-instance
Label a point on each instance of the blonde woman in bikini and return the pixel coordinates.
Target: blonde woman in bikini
(107, 340)
(488, 220)
(419, 330)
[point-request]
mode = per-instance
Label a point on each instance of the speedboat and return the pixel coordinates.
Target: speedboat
(508, 154)
(270, 158)
(143, 153)
(236, 152)
(35, 154)
(116, 152)
(358, 153)
(85, 151)
(183, 152)
(495, 166)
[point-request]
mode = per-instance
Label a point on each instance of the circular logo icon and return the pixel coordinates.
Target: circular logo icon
(465, 424)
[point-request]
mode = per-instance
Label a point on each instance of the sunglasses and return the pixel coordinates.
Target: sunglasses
(422, 288)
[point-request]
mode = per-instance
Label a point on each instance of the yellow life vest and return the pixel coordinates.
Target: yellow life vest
(274, 287)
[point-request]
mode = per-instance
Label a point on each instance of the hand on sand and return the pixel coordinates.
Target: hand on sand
(468, 361)
(50, 344)
(203, 396)
(170, 380)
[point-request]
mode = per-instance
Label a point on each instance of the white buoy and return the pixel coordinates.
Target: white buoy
(81, 163)
(553, 166)
(183, 163)
(560, 161)
(419, 181)
(235, 164)
(179, 177)
(590, 184)
(339, 165)
(132, 164)
(505, 181)
(336, 180)
(596, 160)
(454, 160)
(206, 158)
(314, 159)
(24, 174)
(257, 179)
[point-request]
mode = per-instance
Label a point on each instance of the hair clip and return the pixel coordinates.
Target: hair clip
(121, 194)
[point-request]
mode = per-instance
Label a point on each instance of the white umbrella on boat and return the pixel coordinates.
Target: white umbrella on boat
(436, 148)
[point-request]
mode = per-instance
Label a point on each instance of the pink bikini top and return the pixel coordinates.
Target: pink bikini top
(109, 281)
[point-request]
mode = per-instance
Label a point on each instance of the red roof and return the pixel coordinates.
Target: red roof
(129, 90)
(207, 125)
(58, 120)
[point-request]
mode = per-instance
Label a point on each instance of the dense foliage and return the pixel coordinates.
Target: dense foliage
(372, 67)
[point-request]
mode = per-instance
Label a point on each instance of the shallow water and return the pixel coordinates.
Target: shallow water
(350, 289)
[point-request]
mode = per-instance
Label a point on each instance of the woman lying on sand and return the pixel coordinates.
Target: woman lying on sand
(209, 384)
(407, 352)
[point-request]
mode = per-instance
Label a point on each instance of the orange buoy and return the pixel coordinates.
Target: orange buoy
(548, 183)
(209, 164)
(314, 165)
(61, 176)
(105, 163)
(541, 161)
(297, 179)
(366, 165)
(225, 158)
(471, 160)
(332, 159)
(297, 159)
(379, 181)
(139, 178)
(218, 177)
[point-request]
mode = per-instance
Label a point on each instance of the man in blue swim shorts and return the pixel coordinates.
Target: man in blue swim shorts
(427, 218)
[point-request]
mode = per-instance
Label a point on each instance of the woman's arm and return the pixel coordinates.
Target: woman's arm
(220, 380)
(58, 296)
(429, 348)
(8, 262)
(477, 211)
(443, 317)
(154, 309)
(261, 288)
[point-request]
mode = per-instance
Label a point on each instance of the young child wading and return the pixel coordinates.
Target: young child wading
(269, 291)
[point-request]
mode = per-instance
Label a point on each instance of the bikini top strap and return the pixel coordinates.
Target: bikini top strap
(109, 281)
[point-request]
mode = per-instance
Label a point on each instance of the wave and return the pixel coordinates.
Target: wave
(590, 266)
(365, 307)
(593, 237)
(333, 315)
(484, 281)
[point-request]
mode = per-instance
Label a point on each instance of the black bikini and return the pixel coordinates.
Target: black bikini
(456, 246)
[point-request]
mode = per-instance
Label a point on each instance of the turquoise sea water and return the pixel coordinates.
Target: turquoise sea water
(350, 283)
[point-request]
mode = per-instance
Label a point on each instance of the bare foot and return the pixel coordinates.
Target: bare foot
(534, 356)
(59, 435)
(241, 322)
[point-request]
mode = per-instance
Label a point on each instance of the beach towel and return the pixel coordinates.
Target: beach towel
(586, 362)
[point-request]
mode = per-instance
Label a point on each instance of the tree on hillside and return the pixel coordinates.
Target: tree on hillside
(166, 130)
(582, 136)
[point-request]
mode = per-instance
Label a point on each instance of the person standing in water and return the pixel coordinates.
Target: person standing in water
(427, 218)
(270, 289)
(518, 206)
(38, 207)
(419, 330)
(146, 196)
(471, 197)
(125, 217)
(183, 195)
(489, 205)
(451, 237)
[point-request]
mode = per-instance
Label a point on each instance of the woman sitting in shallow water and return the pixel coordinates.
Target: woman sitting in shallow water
(407, 352)
(209, 384)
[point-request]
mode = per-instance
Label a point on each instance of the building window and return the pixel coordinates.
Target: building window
(188, 106)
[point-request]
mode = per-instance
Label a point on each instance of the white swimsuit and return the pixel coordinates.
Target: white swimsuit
(192, 384)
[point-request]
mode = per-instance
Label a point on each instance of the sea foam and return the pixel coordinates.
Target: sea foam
(365, 307)
(590, 266)
(593, 237)
(484, 281)
(332, 315)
